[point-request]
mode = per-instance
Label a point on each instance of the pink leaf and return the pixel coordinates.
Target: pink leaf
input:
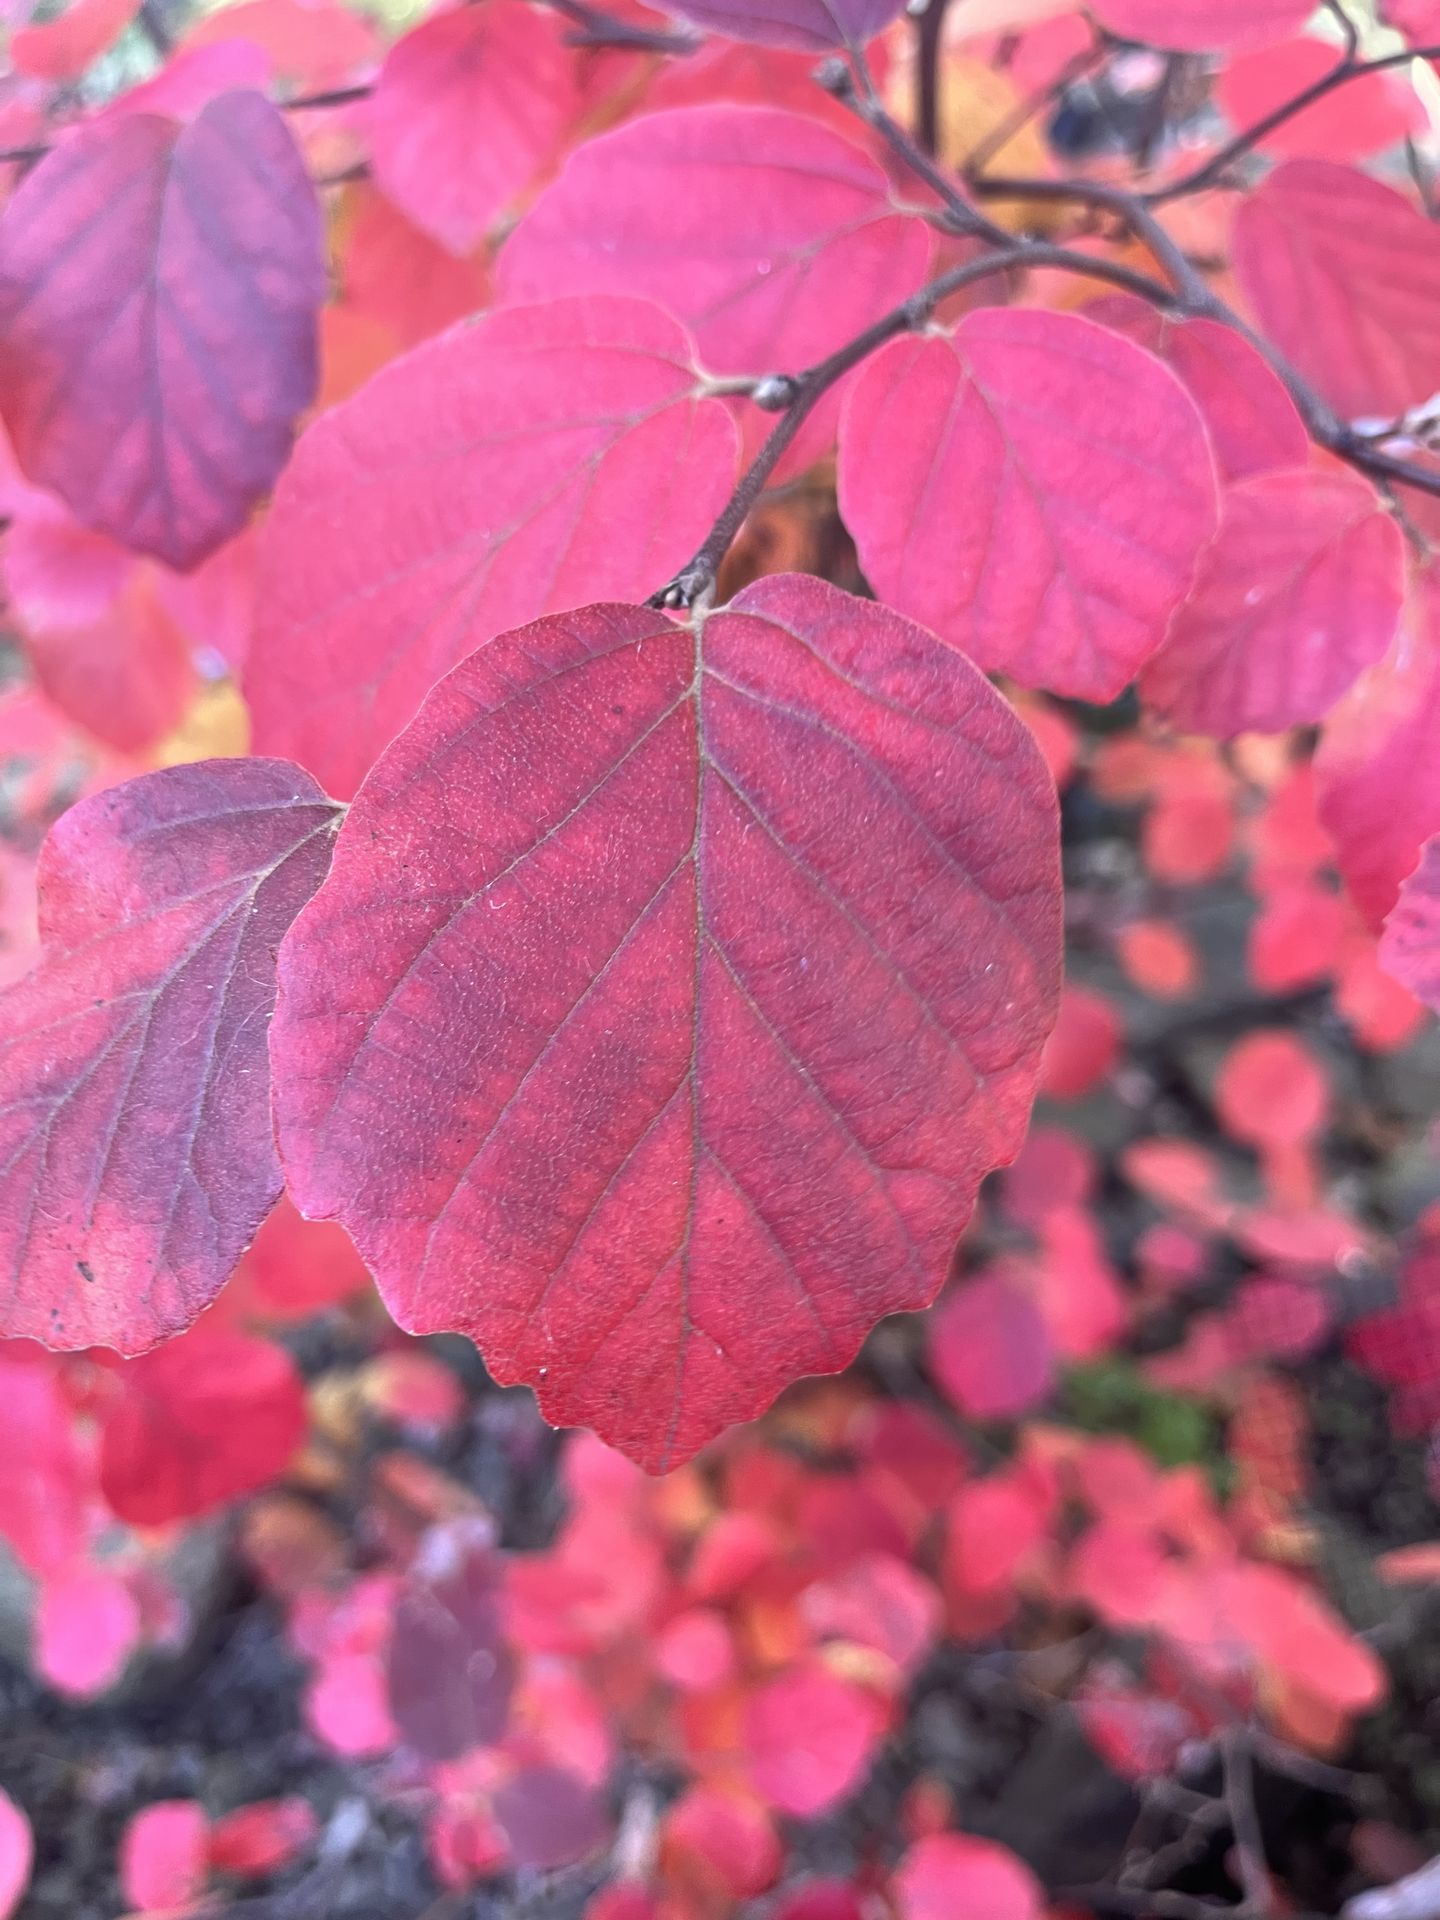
(990, 1348)
(87, 1624)
(577, 1062)
(809, 1737)
(1254, 424)
(508, 469)
(1034, 488)
(1202, 26)
(947, 1874)
(774, 241)
(17, 1853)
(1377, 774)
(136, 1159)
(1271, 1090)
(158, 293)
(1410, 945)
(1343, 274)
(1301, 591)
(63, 47)
(162, 1856)
(47, 1509)
(198, 1423)
(468, 109)
(1371, 112)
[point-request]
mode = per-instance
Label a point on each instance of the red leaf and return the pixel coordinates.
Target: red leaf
(162, 1856)
(816, 25)
(1301, 591)
(1377, 774)
(46, 1471)
(158, 292)
(199, 1422)
(87, 1624)
(1410, 945)
(1254, 424)
(469, 107)
(62, 48)
(1083, 1047)
(669, 1179)
(1202, 26)
(1371, 112)
(396, 275)
(126, 678)
(1159, 958)
(316, 43)
(197, 75)
(775, 239)
(450, 1672)
(990, 1349)
(1343, 274)
(263, 1837)
(821, 1900)
(508, 469)
(136, 1159)
(809, 1737)
(724, 1839)
(1271, 1090)
(946, 1874)
(1034, 488)
(17, 1851)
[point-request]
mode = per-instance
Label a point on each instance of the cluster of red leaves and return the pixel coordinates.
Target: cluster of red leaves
(687, 977)
(1077, 500)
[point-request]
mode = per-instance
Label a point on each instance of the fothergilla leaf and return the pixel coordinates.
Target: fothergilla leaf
(136, 1155)
(1300, 592)
(670, 996)
(1343, 275)
(469, 106)
(1203, 26)
(503, 471)
(159, 286)
(1034, 488)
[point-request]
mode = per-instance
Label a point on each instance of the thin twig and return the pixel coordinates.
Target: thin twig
(1346, 69)
(1197, 298)
(600, 29)
(794, 396)
(1153, 121)
(1239, 1794)
(332, 97)
(854, 87)
(929, 37)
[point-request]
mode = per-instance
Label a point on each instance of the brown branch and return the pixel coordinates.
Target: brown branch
(332, 97)
(1346, 69)
(1239, 1799)
(854, 87)
(1195, 297)
(929, 35)
(794, 396)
